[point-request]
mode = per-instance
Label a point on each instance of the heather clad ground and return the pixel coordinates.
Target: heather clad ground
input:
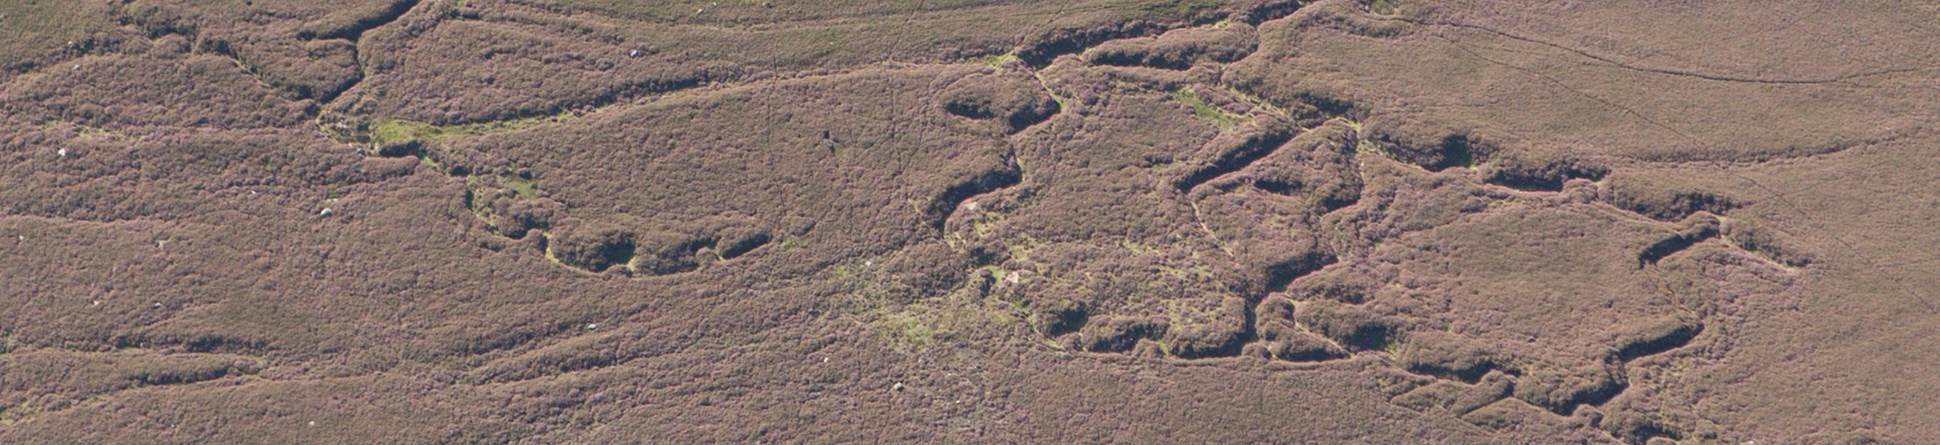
(969, 221)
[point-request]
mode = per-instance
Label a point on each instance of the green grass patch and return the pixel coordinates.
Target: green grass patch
(909, 330)
(480, 194)
(997, 273)
(16, 414)
(1226, 121)
(1063, 105)
(1137, 248)
(956, 317)
(994, 60)
(1020, 249)
(1177, 10)
(1383, 7)
(519, 184)
(398, 130)
(401, 130)
(818, 46)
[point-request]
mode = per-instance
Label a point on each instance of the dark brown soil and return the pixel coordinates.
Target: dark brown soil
(968, 221)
